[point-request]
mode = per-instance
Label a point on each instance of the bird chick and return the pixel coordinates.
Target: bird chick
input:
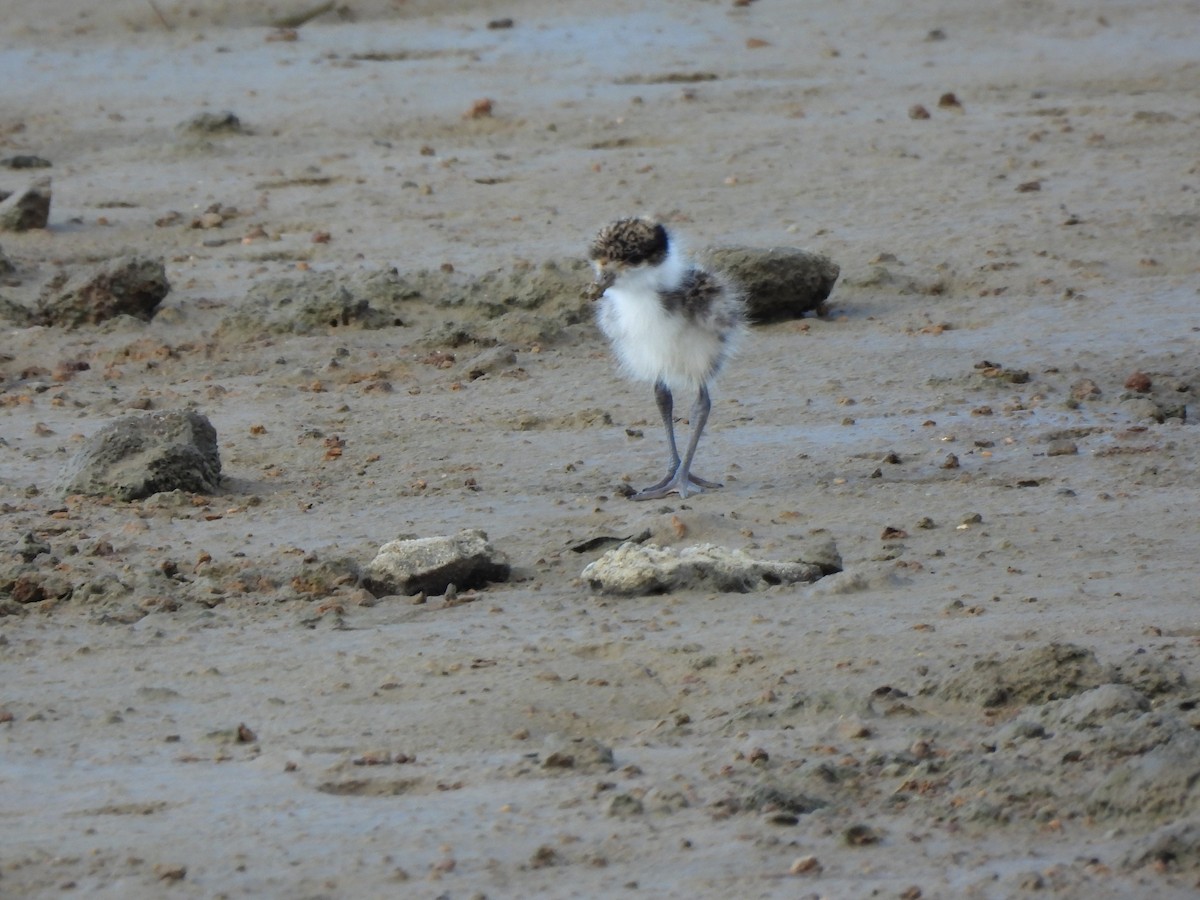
(672, 323)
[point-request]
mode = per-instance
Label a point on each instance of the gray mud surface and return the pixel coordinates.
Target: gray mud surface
(376, 299)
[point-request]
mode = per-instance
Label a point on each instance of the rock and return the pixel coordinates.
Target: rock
(128, 285)
(625, 805)
(780, 282)
(31, 547)
(6, 266)
(577, 754)
(136, 456)
(412, 565)
(1142, 409)
(650, 569)
(1139, 381)
(774, 796)
(213, 123)
(1032, 676)
(25, 161)
(26, 209)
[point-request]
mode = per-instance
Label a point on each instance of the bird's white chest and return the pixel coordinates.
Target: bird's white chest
(654, 344)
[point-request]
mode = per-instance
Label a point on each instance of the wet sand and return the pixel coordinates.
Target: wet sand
(994, 698)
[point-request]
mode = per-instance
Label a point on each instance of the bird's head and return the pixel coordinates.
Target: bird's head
(627, 244)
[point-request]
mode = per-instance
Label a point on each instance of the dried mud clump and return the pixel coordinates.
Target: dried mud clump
(524, 305)
(1158, 784)
(1033, 676)
(225, 122)
(320, 301)
(632, 570)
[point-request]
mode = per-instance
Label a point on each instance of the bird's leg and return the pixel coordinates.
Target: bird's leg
(699, 419)
(666, 408)
(679, 478)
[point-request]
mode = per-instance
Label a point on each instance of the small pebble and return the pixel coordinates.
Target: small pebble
(1138, 381)
(805, 865)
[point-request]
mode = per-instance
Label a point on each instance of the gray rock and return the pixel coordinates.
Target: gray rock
(25, 161)
(780, 282)
(31, 547)
(773, 797)
(1032, 676)
(136, 456)
(625, 805)
(128, 285)
(576, 754)
(432, 564)
(633, 570)
(1142, 409)
(28, 208)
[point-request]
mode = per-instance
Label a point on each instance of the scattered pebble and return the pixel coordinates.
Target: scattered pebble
(480, 109)
(1138, 381)
(861, 836)
(805, 865)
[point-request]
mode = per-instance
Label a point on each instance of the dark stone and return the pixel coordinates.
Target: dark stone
(780, 282)
(136, 456)
(129, 285)
(213, 123)
(25, 161)
(26, 209)
(1033, 676)
(28, 589)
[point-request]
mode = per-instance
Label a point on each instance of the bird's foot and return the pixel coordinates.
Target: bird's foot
(679, 483)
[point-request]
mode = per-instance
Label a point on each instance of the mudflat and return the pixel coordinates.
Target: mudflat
(374, 222)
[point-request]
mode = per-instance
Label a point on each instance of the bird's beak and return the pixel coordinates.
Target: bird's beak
(604, 277)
